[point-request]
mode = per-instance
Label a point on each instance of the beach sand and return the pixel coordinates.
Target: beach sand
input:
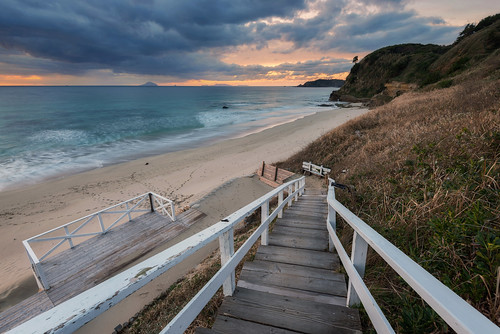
(184, 176)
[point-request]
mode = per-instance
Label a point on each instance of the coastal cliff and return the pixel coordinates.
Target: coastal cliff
(394, 70)
(323, 83)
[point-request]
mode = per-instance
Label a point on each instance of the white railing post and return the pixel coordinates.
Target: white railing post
(150, 195)
(358, 259)
(70, 239)
(172, 208)
(127, 207)
(264, 214)
(226, 245)
(296, 188)
(41, 280)
(332, 215)
(280, 200)
(289, 195)
(103, 230)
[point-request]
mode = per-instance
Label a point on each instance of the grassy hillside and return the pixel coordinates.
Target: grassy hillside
(425, 169)
(422, 65)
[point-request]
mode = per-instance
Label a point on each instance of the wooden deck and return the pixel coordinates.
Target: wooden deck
(75, 270)
(292, 285)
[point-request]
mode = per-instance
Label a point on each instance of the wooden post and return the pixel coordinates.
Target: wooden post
(280, 200)
(101, 222)
(172, 208)
(151, 202)
(129, 216)
(264, 213)
(296, 186)
(276, 173)
(332, 216)
(70, 239)
(226, 245)
(289, 193)
(263, 166)
(358, 259)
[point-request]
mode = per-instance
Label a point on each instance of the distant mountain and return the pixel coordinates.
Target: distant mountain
(148, 84)
(393, 70)
(323, 83)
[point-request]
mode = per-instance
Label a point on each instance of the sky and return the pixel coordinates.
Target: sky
(207, 42)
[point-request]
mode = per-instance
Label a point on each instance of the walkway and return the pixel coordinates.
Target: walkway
(292, 286)
(75, 270)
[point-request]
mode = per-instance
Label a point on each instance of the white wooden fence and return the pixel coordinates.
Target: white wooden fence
(315, 169)
(457, 313)
(97, 223)
(74, 313)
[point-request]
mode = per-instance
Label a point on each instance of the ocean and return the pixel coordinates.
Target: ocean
(47, 132)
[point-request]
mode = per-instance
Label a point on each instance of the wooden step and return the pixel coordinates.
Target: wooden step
(290, 313)
(294, 270)
(295, 241)
(304, 217)
(303, 257)
(308, 232)
(317, 225)
(309, 210)
(228, 325)
(321, 286)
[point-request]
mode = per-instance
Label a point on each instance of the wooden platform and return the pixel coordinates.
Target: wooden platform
(95, 260)
(292, 286)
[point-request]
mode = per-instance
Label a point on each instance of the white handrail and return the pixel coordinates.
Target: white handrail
(315, 169)
(68, 236)
(75, 312)
(457, 313)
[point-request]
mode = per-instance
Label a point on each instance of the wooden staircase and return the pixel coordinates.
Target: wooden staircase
(292, 286)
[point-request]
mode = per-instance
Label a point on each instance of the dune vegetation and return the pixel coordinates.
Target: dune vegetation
(424, 172)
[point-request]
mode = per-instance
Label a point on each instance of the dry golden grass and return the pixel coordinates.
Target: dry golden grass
(425, 170)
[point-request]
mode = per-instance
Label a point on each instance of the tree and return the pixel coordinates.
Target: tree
(355, 59)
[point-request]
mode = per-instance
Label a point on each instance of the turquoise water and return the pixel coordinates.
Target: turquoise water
(51, 131)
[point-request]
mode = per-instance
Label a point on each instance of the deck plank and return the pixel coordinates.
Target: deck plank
(228, 325)
(290, 313)
(311, 284)
(298, 256)
(89, 263)
(297, 241)
(25, 310)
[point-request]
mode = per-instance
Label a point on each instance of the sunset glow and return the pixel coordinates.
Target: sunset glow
(280, 43)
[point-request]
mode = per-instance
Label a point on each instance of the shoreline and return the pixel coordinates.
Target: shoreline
(154, 153)
(183, 176)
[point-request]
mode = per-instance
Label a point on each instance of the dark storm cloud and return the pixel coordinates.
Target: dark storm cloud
(184, 38)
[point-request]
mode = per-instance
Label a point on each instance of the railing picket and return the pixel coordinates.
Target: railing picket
(128, 211)
(280, 200)
(70, 239)
(264, 213)
(332, 216)
(226, 244)
(289, 197)
(358, 259)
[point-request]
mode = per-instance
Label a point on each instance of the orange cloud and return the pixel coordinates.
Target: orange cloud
(15, 80)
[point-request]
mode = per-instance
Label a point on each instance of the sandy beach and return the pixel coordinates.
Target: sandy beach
(184, 176)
